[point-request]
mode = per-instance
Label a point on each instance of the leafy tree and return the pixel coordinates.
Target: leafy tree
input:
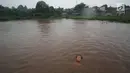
(21, 11)
(105, 5)
(111, 9)
(20, 7)
(1, 7)
(1, 10)
(41, 6)
(51, 10)
(59, 11)
(78, 8)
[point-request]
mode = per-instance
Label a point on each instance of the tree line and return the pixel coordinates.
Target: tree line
(43, 10)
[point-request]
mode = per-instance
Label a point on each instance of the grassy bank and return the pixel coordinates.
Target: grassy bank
(124, 19)
(13, 18)
(27, 18)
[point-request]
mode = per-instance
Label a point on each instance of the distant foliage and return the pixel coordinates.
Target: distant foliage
(43, 10)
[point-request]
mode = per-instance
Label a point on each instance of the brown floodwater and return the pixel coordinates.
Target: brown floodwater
(50, 46)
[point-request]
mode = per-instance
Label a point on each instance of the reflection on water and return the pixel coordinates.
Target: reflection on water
(50, 46)
(44, 26)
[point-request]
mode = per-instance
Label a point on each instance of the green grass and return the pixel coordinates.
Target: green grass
(8, 18)
(124, 19)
